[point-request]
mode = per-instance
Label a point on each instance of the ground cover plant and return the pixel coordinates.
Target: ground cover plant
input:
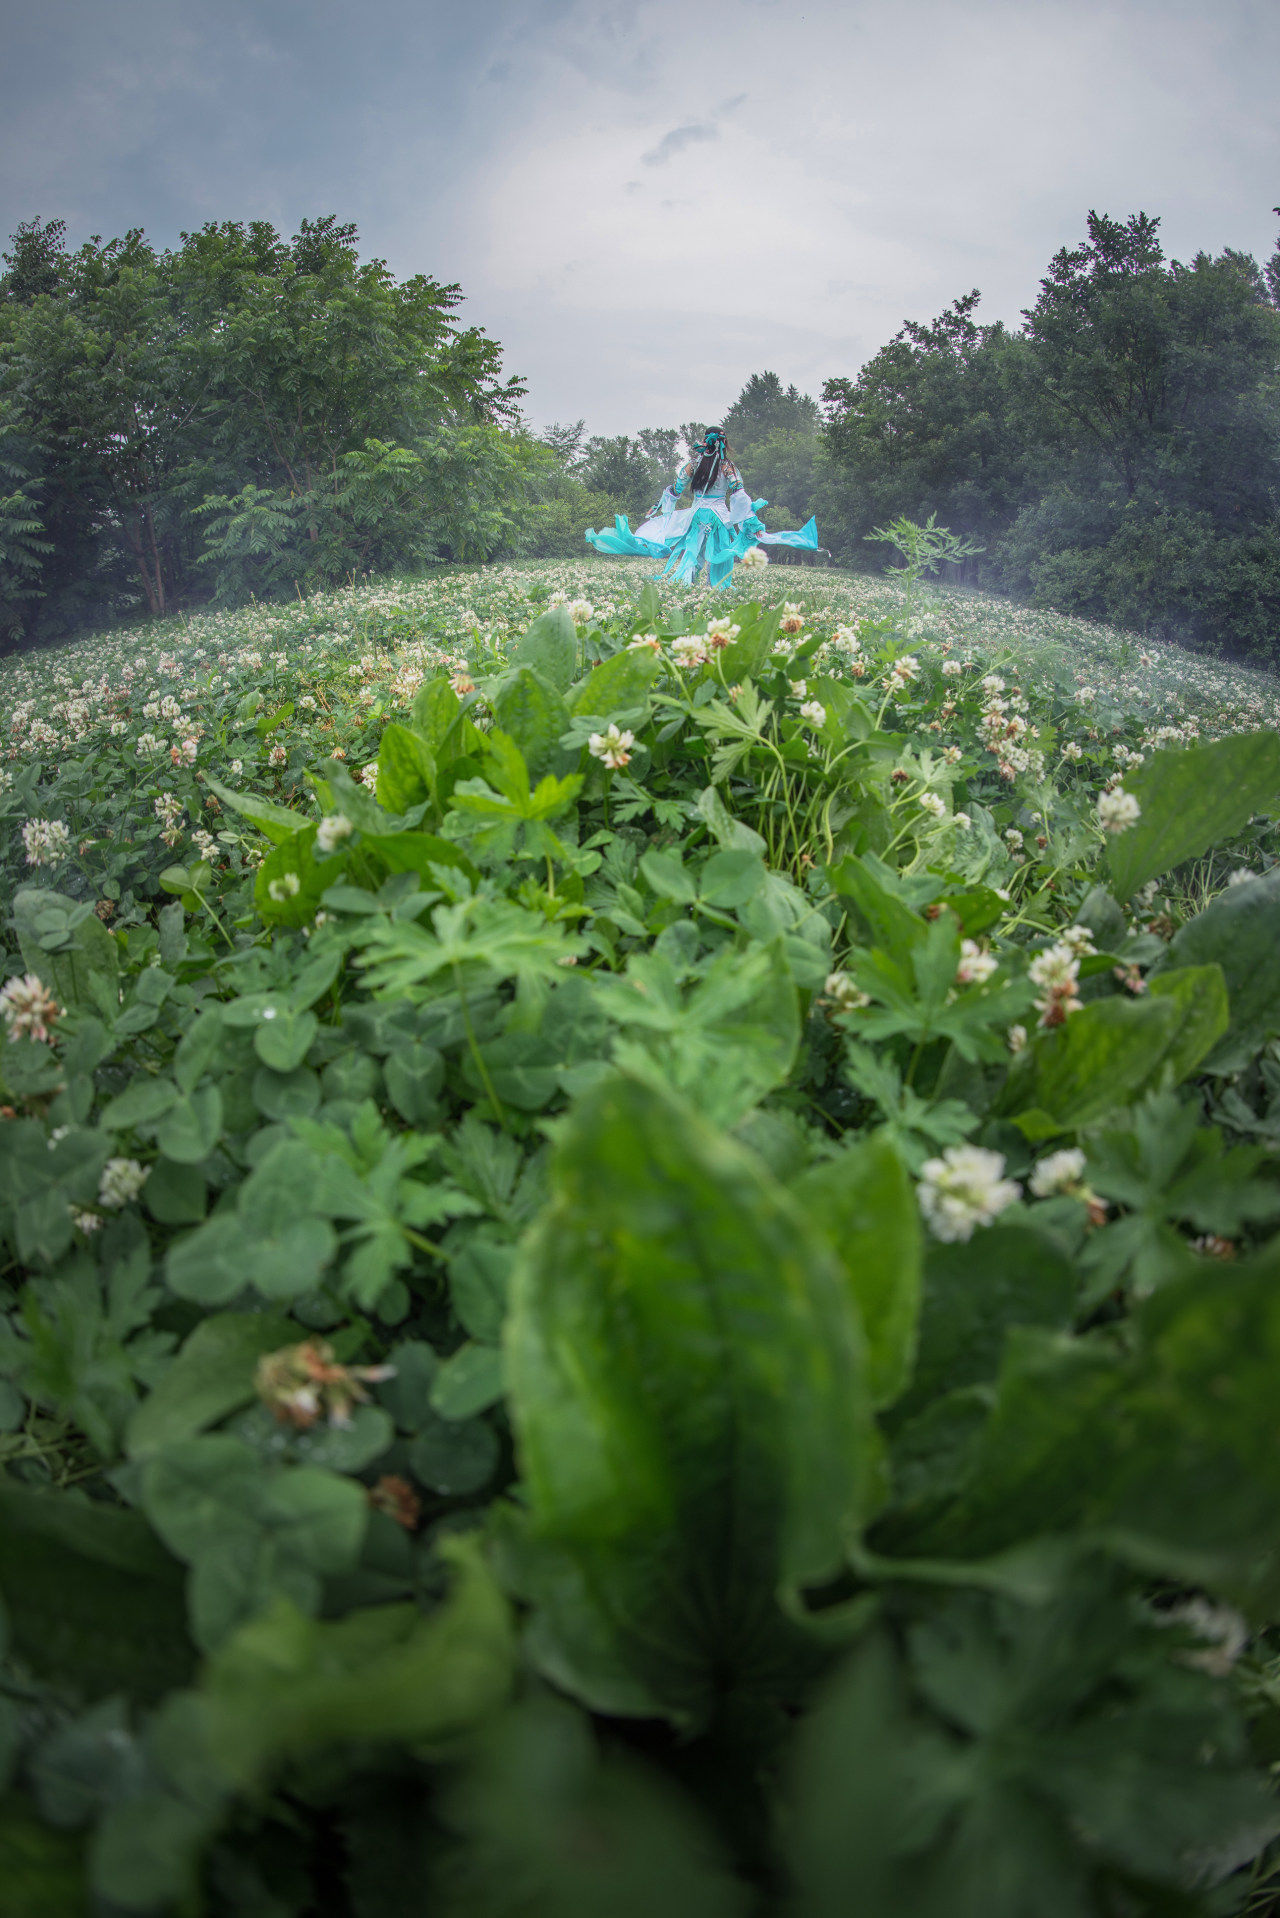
(640, 1263)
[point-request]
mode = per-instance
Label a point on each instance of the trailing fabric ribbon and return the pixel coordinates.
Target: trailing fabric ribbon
(711, 529)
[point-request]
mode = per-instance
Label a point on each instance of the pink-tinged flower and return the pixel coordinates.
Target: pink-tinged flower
(612, 747)
(29, 1008)
(976, 964)
(303, 1383)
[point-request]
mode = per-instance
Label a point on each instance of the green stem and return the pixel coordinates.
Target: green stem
(213, 915)
(476, 1053)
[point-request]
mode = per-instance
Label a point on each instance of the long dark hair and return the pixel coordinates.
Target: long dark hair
(717, 453)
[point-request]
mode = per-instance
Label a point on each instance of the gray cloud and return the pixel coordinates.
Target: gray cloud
(495, 144)
(676, 141)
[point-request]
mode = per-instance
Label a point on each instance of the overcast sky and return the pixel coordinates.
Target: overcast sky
(648, 203)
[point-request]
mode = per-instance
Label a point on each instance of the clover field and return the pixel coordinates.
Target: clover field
(640, 1263)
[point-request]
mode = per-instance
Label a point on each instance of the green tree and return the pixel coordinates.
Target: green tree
(764, 407)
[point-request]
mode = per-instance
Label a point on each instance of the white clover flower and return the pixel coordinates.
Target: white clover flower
(902, 672)
(976, 964)
(307, 703)
(962, 820)
(755, 556)
(1241, 876)
(1056, 971)
(935, 806)
(1060, 1172)
(86, 1222)
(287, 886)
(580, 611)
(646, 642)
(952, 668)
(689, 651)
(117, 727)
(792, 620)
(1117, 811)
(1072, 751)
(1014, 838)
(720, 632)
(28, 1007)
(46, 841)
(332, 830)
(236, 766)
(1077, 939)
(800, 688)
(1017, 1036)
(842, 994)
(965, 1188)
(613, 746)
(462, 684)
(814, 711)
(278, 756)
(122, 1180)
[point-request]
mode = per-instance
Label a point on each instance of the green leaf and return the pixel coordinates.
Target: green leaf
(282, 1038)
(865, 1203)
(988, 1771)
(1192, 799)
(616, 684)
(93, 1601)
(248, 1533)
(1239, 931)
(470, 1380)
(454, 1457)
(551, 647)
(1200, 995)
(687, 1383)
(212, 1376)
(666, 873)
(1102, 1057)
(192, 1126)
(406, 769)
(277, 823)
(142, 1103)
(888, 923)
(531, 710)
(65, 944)
(285, 1687)
(415, 1077)
(730, 878)
(724, 1042)
(269, 721)
(299, 880)
(41, 1869)
(974, 1292)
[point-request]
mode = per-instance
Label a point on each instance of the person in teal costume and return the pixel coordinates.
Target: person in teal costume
(705, 517)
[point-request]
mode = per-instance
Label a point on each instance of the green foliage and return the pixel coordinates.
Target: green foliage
(516, 1248)
(686, 1373)
(1116, 457)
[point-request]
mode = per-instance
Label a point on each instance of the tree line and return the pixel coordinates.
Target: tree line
(245, 414)
(1116, 457)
